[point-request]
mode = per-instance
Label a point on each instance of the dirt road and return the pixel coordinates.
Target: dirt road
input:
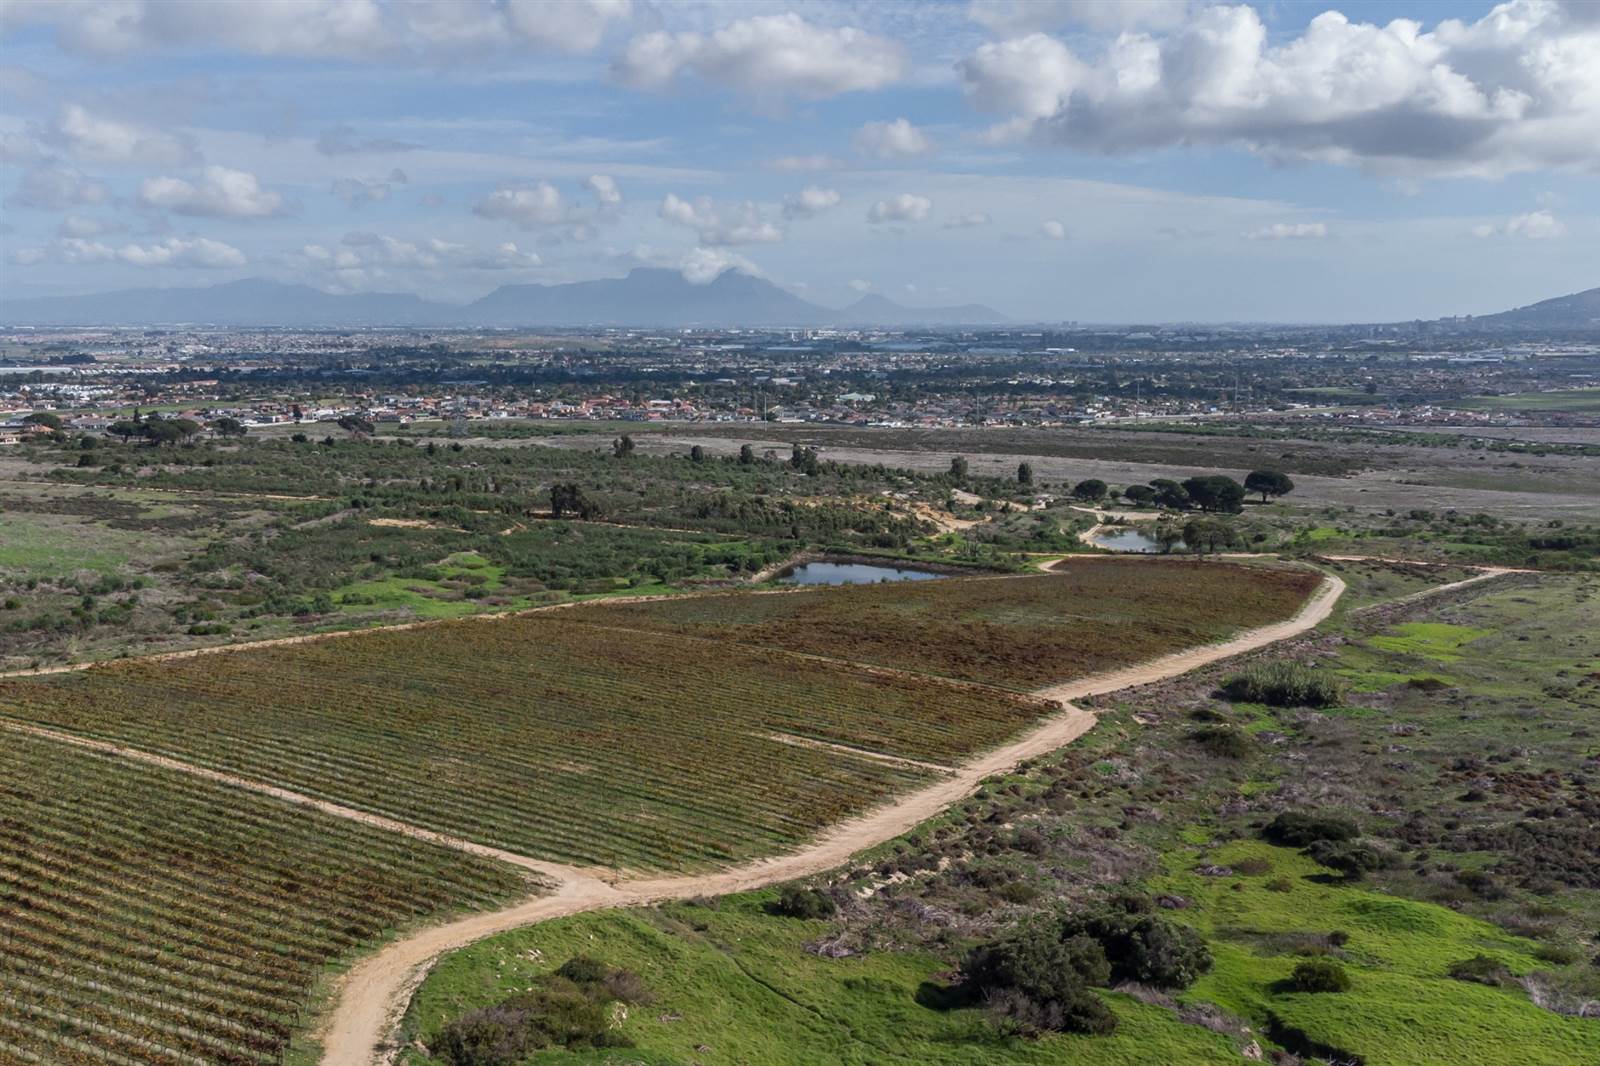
(374, 994)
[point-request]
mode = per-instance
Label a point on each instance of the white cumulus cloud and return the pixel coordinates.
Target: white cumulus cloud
(1533, 226)
(604, 188)
(701, 266)
(221, 193)
(769, 56)
(97, 139)
(906, 207)
(891, 140)
(811, 200)
(1517, 90)
(719, 225)
(1053, 229)
(197, 252)
(539, 204)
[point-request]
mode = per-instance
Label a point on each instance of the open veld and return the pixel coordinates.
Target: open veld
(149, 917)
(1463, 749)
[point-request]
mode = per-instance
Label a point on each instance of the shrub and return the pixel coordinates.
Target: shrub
(1035, 980)
(567, 1009)
(1296, 829)
(1280, 884)
(1285, 684)
(1320, 975)
(796, 901)
(1556, 954)
(1224, 742)
(1350, 858)
(1141, 946)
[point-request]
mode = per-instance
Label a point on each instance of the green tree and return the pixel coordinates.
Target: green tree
(622, 447)
(228, 427)
(747, 455)
(1268, 483)
(125, 428)
(1139, 495)
(697, 454)
(1089, 490)
(1170, 494)
(1215, 492)
(1024, 473)
(1207, 535)
(356, 426)
(45, 419)
(958, 468)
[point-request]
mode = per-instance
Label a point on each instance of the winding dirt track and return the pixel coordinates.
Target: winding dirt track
(374, 994)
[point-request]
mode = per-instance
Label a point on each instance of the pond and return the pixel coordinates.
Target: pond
(851, 574)
(1131, 540)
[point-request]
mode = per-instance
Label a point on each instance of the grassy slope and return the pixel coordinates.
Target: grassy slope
(740, 984)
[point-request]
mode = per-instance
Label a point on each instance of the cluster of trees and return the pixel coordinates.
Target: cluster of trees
(1040, 977)
(1212, 492)
(157, 430)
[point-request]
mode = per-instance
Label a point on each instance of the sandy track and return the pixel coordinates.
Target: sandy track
(374, 994)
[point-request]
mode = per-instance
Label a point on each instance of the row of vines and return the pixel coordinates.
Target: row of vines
(147, 917)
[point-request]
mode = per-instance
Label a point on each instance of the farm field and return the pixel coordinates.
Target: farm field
(1575, 401)
(1020, 632)
(563, 739)
(149, 917)
(542, 734)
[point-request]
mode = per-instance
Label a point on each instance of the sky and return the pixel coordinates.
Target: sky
(1088, 160)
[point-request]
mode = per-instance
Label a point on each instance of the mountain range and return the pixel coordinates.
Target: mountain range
(645, 297)
(1580, 310)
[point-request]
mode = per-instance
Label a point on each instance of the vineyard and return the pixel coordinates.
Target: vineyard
(148, 917)
(544, 734)
(1022, 632)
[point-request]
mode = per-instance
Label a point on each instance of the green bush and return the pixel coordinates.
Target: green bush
(1297, 829)
(568, 1009)
(1035, 981)
(1141, 946)
(1320, 975)
(1349, 857)
(796, 901)
(1285, 684)
(1224, 742)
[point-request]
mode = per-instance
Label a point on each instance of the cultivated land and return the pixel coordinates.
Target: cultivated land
(149, 917)
(1019, 632)
(565, 739)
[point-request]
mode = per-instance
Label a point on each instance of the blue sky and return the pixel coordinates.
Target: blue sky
(1056, 159)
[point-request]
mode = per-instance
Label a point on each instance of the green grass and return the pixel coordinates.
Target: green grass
(42, 545)
(1402, 1009)
(1576, 401)
(739, 983)
(1437, 641)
